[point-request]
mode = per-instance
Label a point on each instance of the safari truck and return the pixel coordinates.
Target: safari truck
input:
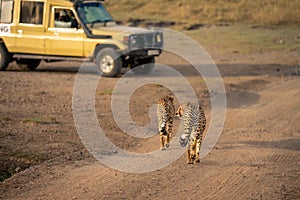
(61, 30)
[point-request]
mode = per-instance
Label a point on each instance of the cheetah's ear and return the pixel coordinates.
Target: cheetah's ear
(181, 107)
(180, 111)
(161, 100)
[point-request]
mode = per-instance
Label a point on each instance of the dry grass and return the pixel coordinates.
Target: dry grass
(246, 39)
(257, 25)
(187, 12)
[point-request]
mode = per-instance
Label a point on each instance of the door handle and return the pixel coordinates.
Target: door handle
(20, 32)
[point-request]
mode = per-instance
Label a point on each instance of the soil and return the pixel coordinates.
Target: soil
(257, 155)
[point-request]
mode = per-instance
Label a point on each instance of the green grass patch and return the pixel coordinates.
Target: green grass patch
(5, 119)
(105, 92)
(31, 157)
(41, 120)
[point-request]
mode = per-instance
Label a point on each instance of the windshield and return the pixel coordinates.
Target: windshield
(91, 13)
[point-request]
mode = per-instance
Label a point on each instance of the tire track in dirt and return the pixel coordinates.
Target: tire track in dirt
(237, 185)
(269, 158)
(282, 158)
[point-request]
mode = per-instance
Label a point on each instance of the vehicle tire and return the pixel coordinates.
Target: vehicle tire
(4, 57)
(144, 66)
(28, 64)
(108, 62)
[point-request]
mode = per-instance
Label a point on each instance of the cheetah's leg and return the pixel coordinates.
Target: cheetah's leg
(170, 127)
(169, 133)
(163, 140)
(197, 160)
(167, 140)
(189, 161)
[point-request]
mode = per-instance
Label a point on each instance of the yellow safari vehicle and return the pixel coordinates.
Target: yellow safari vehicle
(57, 30)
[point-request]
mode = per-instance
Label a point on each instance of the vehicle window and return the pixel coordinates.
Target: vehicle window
(31, 12)
(6, 11)
(93, 12)
(64, 18)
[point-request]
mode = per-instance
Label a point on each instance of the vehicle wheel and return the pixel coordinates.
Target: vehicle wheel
(28, 64)
(144, 66)
(108, 62)
(4, 57)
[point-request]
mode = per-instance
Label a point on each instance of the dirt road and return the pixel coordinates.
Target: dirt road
(256, 157)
